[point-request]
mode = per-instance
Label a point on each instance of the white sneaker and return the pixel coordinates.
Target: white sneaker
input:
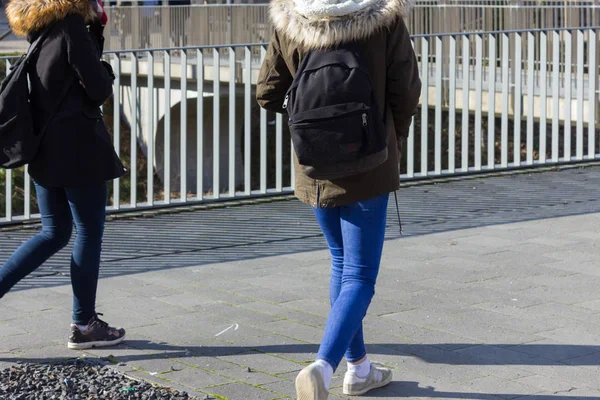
(310, 384)
(379, 376)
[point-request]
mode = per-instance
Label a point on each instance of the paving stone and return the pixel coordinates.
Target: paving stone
(546, 384)
(319, 307)
(286, 313)
(295, 330)
(238, 314)
(268, 295)
(438, 371)
(557, 351)
(187, 300)
(195, 378)
(7, 330)
(281, 346)
(7, 313)
(242, 391)
(252, 377)
(284, 387)
(263, 362)
(501, 388)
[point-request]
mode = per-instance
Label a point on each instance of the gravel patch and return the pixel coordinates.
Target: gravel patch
(77, 380)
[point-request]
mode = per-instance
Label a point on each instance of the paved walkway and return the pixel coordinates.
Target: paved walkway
(493, 293)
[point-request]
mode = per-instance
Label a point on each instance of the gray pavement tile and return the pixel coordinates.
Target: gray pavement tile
(284, 387)
(151, 290)
(319, 306)
(590, 304)
(153, 308)
(31, 341)
(295, 330)
(592, 359)
(227, 297)
(49, 353)
(195, 378)
(157, 364)
(280, 311)
(7, 330)
(238, 314)
(21, 302)
(268, 295)
(580, 334)
(545, 383)
(263, 362)
(501, 388)
(241, 391)
(452, 374)
(7, 313)
(187, 299)
(578, 377)
(491, 354)
(249, 376)
(197, 322)
(281, 346)
(557, 351)
(515, 323)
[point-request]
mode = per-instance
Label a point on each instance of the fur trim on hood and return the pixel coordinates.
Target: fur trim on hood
(327, 23)
(30, 16)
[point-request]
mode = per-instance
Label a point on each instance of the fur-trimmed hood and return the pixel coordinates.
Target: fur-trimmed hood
(326, 23)
(30, 16)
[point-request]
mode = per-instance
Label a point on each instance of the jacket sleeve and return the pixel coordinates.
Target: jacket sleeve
(83, 56)
(274, 78)
(403, 82)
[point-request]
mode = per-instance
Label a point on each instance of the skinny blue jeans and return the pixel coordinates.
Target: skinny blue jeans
(58, 208)
(355, 234)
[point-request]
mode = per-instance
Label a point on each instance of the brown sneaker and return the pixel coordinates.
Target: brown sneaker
(98, 334)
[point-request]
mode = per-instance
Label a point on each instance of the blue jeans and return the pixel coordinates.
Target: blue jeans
(355, 235)
(58, 208)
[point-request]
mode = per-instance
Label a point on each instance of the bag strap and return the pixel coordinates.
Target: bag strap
(57, 105)
(33, 47)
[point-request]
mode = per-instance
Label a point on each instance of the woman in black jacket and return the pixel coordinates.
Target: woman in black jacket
(76, 158)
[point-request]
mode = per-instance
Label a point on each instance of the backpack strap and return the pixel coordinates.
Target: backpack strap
(34, 46)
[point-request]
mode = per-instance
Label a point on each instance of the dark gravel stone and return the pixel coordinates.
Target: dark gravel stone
(74, 380)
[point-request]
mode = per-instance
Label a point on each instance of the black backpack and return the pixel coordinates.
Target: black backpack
(19, 141)
(336, 126)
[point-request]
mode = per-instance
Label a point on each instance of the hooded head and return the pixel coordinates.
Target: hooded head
(327, 23)
(30, 16)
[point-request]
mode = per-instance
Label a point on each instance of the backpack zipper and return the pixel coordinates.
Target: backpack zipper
(285, 102)
(355, 113)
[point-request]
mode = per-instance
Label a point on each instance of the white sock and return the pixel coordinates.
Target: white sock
(327, 371)
(82, 328)
(361, 370)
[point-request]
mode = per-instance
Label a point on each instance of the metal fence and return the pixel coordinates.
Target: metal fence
(199, 25)
(186, 124)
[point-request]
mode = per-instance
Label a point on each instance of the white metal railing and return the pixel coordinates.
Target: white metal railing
(138, 27)
(491, 102)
